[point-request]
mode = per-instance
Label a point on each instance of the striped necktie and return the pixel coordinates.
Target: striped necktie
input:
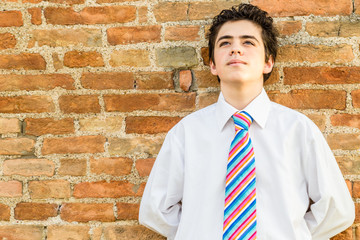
(240, 192)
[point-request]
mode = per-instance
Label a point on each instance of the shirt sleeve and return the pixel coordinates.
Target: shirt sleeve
(160, 207)
(332, 210)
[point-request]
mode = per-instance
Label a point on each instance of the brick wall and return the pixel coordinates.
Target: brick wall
(89, 88)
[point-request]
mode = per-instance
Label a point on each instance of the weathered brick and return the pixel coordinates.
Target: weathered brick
(143, 14)
(323, 29)
(344, 141)
(65, 37)
(35, 211)
(111, 166)
(206, 99)
(205, 55)
(207, 10)
(171, 11)
(150, 125)
(357, 11)
(130, 35)
(10, 189)
(16, 146)
(11, 19)
(344, 235)
(29, 167)
(316, 53)
(35, 82)
(319, 120)
(148, 101)
(73, 232)
(75, 59)
(9, 125)
(154, 80)
(127, 211)
(26, 104)
(176, 57)
(113, 80)
(135, 145)
(49, 189)
(205, 79)
(274, 77)
(27, 61)
(131, 58)
(130, 233)
(350, 120)
(287, 28)
(311, 99)
(85, 212)
(356, 98)
(144, 166)
(72, 167)
(356, 189)
(321, 75)
(82, 144)
(357, 213)
(69, 2)
(113, 189)
(182, 33)
(21, 232)
(4, 212)
(35, 15)
(41, 126)
(98, 124)
(349, 164)
(280, 8)
(90, 15)
(58, 64)
(79, 103)
(185, 80)
(7, 40)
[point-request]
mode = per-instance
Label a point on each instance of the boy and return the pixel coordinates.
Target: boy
(245, 167)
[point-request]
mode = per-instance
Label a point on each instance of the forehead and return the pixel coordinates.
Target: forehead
(240, 28)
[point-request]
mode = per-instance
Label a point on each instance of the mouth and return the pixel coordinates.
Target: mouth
(235, 62)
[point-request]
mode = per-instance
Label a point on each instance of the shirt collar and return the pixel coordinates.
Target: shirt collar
(257, 108)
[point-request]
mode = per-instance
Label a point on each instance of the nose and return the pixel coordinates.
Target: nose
(236, 50)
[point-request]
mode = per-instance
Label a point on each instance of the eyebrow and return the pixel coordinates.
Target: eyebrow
(241, 37)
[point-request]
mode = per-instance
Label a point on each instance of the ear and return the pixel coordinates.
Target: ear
(268, 65)
(213, 68)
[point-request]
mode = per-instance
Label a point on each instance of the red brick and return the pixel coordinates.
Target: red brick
(207, 10)
(154, 80)
(26, 104)
(127, 211)
(349, 186)
(7, 40)
(274, 77)
(11, 19)
(171, 11)
(311, 99)
(205, 79)
(9, 125)
(35, 15)
(316, 53)
(148, 101)
(206, 99)
(35, 82)
(85, 212)
(16, 146)
(287, 28)
(319, 120)
(41, 126)
(29, 167)
(111, 166)
(356, 189)
(182, 33)
(113, 189)
(4, 212)
(27, 61)
(79, 104)
(344, 141)
(185, 79)
(321, 75)
(72, 167)
(205, 55)
(21, 232)
(150, 125)
(357, 213)
(10, 189)
(350, 120)
(35, 211)
(130, 233)
(280, 8)
(76, 59)
(144, 166)
(90, 15)
(356, 98)
(130, 35)
(344, 235)
(70, 232)
(357, 9)
(101, 81)
(49, 189)
(69, 2)
(82, 144)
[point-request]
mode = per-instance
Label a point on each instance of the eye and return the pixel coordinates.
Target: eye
(224, 43)
(247, 42)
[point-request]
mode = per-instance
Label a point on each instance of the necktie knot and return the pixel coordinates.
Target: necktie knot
(242, 120)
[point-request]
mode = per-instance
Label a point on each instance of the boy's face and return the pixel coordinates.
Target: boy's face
(239, 54)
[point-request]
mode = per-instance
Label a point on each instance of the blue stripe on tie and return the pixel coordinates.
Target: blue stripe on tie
(241, 196)
(249, 231)
(243, 152)
(245, 169)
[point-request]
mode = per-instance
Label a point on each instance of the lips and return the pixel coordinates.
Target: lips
(236, 62)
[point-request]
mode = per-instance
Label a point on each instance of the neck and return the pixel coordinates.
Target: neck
(240, 95)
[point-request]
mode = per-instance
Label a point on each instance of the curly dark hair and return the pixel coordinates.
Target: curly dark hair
(246, 12)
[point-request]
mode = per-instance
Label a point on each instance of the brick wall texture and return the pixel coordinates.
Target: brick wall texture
(89, 88)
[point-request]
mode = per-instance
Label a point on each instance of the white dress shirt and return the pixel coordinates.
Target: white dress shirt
(185, 192)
